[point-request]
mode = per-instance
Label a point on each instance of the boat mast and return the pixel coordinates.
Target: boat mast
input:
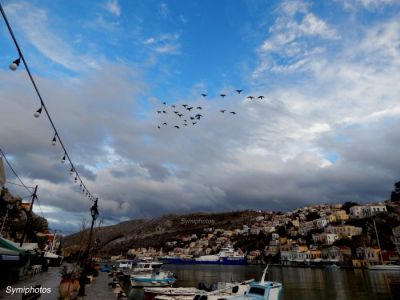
(377, 239)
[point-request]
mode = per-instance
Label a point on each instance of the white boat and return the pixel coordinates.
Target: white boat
(225, 290)
(384, 266)
(157, 278)
(227, 255)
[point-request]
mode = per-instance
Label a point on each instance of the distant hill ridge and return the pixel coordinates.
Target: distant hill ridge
(119, 238)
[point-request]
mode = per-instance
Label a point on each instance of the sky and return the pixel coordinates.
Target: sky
(326, 130)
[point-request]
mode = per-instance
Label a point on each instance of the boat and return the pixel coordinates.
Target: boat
(223, 290)
(384, 266)
(262, 290)
(226, 256)
(157, 278)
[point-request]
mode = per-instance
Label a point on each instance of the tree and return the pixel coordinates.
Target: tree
(347, 205)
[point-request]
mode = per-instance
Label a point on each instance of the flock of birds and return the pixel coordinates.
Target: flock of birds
(190, 115)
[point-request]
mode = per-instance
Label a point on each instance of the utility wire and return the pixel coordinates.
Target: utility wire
(29, 189)
(56, 135)
(15, 173)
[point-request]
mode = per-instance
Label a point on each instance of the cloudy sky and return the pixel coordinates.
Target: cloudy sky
(326, 131)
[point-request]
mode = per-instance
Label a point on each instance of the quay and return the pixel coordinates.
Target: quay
(50, 280)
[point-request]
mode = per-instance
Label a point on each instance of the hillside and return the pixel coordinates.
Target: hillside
(156, 232)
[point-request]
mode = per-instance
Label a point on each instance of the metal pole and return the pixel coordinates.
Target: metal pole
(377, 239)
(28, 217)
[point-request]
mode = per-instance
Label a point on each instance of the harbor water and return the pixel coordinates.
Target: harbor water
(298, 283)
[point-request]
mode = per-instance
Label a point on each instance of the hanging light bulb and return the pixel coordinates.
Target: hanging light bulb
(76, 178)
(80, 185)
(14, 65)
(63, 159)
(38, 112)
(71, 171)
(54, 141)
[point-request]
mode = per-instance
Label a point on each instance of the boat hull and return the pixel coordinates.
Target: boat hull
(152, 282)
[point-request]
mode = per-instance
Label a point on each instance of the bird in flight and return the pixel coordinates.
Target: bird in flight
(260, 97)
(204, 95)
(198, 116)
(194, 123)
(233, 113)
(199, 107)
(239, 91)
(184, 124)
(176, 126)
(165, 124)
(165, 103)
(158, 127)
(164, 111)
(250, 97)
(191, 118)
(184, 105)
(222, 95)
(173, 106)
(159, 111)
(180, 115)
(189, 108)
(222, 110)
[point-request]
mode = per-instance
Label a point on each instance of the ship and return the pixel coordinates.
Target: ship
(226, 256)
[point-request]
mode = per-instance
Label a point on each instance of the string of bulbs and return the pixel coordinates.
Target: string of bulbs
(14, 66)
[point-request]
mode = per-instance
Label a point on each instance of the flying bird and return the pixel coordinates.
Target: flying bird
(184, 105)
(250, 97)
(260, 97)
(222, 95)
(198, 116)
(173, 106)
(199, 107)
(158, 127)
(204, 95)
(233, 113)
(180, 115)
(176, 126)
(184, 120)
(189, 108)
(176, 112)
(194, 123)
(165, 103)
(159, 111)
(239, 91)
(184, 124)
(165, 124)
(164, 111)
(191, 118)
(222, 110)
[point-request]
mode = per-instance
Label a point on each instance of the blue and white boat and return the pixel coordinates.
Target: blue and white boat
(151, 275)
(154, 279)
(262, 290)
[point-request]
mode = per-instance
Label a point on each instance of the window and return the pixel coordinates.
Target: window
(256, 291)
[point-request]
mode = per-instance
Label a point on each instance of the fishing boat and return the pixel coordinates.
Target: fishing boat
(262, 290)
(157, 278)
(218, 290)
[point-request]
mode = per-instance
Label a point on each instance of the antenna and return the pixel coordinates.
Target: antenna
(263, 276)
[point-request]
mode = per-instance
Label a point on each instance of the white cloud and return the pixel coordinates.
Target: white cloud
(113, 7)
(366, 4)
(163, 10)
(36, 26)
(289, 39)
(167, 43)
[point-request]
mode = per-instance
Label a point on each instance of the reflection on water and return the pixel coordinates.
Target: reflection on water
(298, 283)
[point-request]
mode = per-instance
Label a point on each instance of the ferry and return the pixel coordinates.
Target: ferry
(226, 256)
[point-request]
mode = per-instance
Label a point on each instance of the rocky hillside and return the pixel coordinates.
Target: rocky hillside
(117, 239)
(17, 213)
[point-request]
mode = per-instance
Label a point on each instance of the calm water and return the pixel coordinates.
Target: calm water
(298, 283)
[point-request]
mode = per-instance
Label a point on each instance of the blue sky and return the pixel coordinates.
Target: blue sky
(325, 131)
